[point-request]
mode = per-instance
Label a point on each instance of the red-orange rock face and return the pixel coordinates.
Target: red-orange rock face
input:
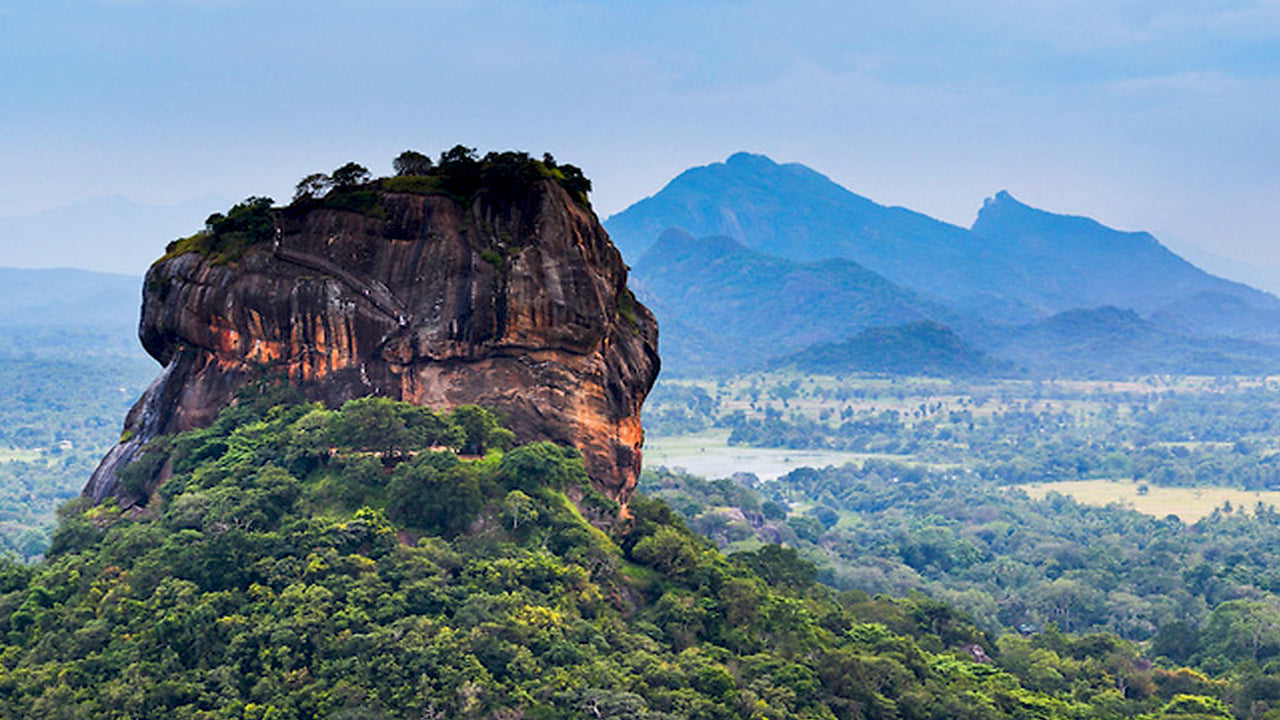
(519, 305)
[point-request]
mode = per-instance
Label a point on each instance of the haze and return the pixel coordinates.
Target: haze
(1155, 116)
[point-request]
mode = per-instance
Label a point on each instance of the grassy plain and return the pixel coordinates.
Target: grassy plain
(1188, 503)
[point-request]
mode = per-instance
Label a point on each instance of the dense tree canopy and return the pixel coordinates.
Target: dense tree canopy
(284, 572)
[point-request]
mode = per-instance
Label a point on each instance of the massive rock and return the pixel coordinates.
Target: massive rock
(514, 301)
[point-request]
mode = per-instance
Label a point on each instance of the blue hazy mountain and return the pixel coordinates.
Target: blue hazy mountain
(1079, 262)
(723, 306)
(1008, 285)
(1109, 342)
(63, 313)
(111, 234)
(919, 348)
(796, 213)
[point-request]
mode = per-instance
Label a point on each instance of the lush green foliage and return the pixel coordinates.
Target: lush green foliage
(281, 573)
(1213, 432)
(459, 173)
(65, 395)
(226, 237)
(1012, 562)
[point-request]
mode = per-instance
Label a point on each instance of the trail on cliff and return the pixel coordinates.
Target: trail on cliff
(375, 292)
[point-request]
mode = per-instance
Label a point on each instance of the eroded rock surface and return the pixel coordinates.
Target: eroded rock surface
(514, 303)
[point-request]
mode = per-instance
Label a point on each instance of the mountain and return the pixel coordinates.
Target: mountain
(723, 306)
(66, 297)
(109, 234)
(1016, 267)
(795, 213)
(63, 314)
(488, 281)
(1259, 275)
(1110, 342)
(1079, 262)
(919, 348)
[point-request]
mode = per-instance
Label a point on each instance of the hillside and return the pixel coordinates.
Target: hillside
(1108, 342)
(722, 305)
(1079, 262)
(919, 348)
(994, 285)
(793, 212)
(295, 566)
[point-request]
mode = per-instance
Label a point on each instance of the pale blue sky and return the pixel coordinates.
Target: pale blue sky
(1162, 116)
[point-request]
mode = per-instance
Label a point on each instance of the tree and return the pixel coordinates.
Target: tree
(670, 550)
(518, 508)
(411, 162)
(539, 464)
(350, 175)
(1240, 629)
(458, 155)
(780, 565)
(481, 429)
(374, 424)
(313, 185)
(460, 171)
(435, 492)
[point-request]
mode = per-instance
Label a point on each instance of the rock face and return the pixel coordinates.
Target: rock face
(518, 303)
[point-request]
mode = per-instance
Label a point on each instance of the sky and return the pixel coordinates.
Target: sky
(1160, 116)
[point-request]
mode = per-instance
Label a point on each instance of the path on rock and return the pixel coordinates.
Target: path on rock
(376, 293)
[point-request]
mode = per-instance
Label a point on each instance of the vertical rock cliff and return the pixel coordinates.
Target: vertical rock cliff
(514, 300)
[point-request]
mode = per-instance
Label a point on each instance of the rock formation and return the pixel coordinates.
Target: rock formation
(513, 300)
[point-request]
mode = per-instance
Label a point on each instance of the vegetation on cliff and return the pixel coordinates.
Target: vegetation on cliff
(284, 572)
(460, 173)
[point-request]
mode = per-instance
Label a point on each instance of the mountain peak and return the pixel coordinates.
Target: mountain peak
(743, 158)
(1003, 204)
(1002, 198)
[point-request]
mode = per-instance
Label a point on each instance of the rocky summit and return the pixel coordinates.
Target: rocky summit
(510, 297)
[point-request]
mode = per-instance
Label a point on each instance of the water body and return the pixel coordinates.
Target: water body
(708, 454)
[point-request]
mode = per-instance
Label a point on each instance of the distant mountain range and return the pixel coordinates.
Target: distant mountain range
(111, 234)
(918, 348)
(67, 297)
(749, 262)
(750, 259)
(64, 313)
(715, 296)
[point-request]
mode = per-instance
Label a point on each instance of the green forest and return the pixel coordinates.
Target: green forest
(305, 562)
(66, 391)
(312, 563)
(1162, 430)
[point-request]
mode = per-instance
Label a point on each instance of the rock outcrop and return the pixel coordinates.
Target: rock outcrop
(516, 301)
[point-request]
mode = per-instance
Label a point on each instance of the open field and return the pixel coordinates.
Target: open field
(1189, 504)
